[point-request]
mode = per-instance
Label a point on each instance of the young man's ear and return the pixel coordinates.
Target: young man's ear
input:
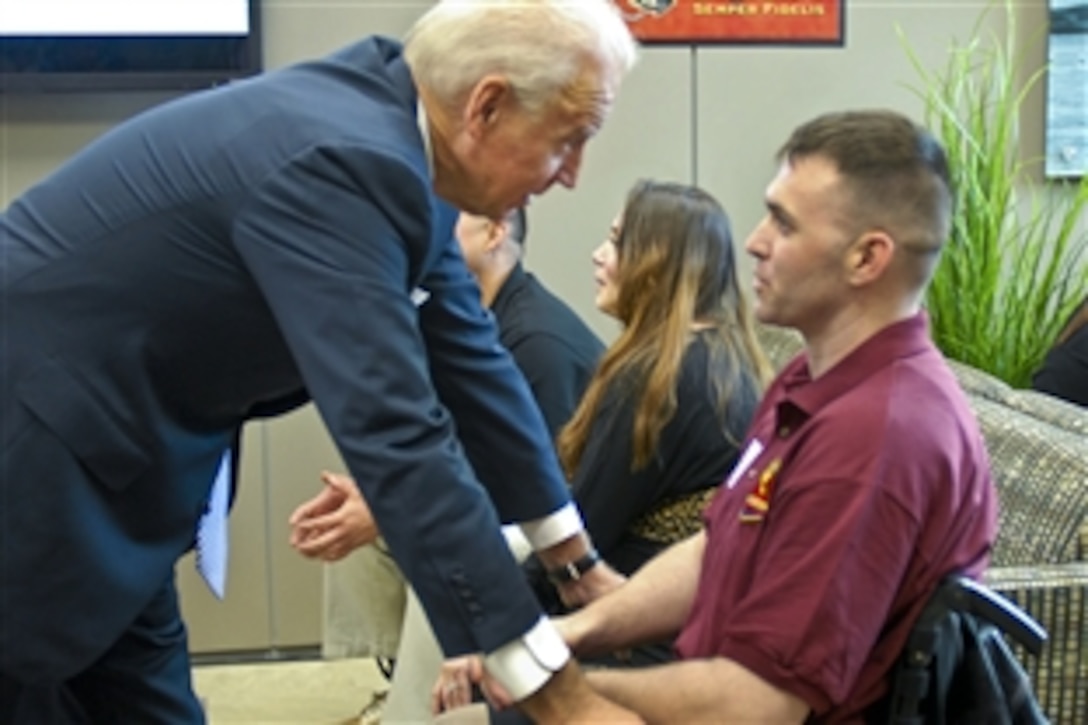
(496, 235)
(870, 256)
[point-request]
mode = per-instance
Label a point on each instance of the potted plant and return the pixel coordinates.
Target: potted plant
(1016, 265)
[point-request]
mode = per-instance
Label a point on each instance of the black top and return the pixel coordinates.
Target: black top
(693, 454)
(1065, 371)
(555, 351)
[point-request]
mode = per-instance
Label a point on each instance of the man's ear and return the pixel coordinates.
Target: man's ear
(486, 102)
(869, 257)
(496, 235)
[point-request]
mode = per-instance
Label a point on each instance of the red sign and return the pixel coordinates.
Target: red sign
(735, 21)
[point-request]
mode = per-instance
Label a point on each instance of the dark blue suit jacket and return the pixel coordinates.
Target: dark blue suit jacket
(231, 254)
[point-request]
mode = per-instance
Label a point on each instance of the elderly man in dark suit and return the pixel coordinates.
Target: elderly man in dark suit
(243, 250)
(366, 609)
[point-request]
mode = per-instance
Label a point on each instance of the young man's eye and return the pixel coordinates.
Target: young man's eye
(783, 226)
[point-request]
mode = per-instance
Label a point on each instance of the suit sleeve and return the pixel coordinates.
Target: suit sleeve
(331, 241)
(498, 422)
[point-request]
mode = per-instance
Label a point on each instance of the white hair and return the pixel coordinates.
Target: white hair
(540, 46)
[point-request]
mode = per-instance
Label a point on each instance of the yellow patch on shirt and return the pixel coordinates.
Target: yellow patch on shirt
(758, 502)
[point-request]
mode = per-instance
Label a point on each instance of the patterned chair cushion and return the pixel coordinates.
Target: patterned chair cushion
(1041, 473)
(1047, 408)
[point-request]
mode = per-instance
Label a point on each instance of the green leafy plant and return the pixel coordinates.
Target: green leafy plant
(1016, 265)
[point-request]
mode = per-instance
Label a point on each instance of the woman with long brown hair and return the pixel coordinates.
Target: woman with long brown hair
(659, 425)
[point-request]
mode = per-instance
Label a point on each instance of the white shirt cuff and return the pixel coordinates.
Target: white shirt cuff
(553, 528)
(524, 665)
(515, 539)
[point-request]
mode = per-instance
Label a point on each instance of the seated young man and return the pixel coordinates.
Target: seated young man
(863, 481)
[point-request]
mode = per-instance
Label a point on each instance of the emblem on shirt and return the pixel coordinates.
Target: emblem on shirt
(758, 502)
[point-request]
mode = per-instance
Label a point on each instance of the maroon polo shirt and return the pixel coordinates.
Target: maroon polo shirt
(859, 491)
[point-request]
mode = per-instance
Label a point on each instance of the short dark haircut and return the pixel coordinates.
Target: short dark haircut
(895, 172)
(517, 226)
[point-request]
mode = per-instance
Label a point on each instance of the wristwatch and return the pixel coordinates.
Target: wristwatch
(572, 571)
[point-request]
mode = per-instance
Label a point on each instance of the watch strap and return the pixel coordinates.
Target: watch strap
(572, 571)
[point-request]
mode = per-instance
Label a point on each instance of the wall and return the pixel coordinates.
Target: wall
(714, 116)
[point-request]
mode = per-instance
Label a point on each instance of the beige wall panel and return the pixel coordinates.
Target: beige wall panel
(648, 135)
(298, 450)
(749, 99)
(299, 29)
(241, 620)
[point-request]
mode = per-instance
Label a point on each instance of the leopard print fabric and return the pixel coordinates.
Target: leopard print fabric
(674, 518)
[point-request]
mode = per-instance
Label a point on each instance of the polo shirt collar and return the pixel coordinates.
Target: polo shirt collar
(805, 397)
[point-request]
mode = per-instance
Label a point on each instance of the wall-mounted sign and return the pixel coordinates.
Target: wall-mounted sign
(1067, 90)
(817, 22)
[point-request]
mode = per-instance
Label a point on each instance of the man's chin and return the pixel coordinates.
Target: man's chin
(495, 211)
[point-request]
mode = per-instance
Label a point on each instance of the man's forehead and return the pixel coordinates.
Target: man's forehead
(805, 178)
(588, 98)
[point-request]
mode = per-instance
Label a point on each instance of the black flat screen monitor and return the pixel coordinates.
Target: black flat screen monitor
(109, 45)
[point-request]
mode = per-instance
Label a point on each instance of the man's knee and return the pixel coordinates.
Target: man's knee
(146, 675)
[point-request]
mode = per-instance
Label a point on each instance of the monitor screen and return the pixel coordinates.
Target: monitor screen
(96, 45)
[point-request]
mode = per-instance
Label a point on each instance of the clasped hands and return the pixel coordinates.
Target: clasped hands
(458, 675)
(333, 523)
(338, 520)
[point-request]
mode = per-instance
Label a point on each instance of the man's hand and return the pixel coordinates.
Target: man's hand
(456, 678)
(333, 523)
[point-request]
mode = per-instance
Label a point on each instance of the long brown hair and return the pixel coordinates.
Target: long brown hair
(676, 269)
(1077, 320)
